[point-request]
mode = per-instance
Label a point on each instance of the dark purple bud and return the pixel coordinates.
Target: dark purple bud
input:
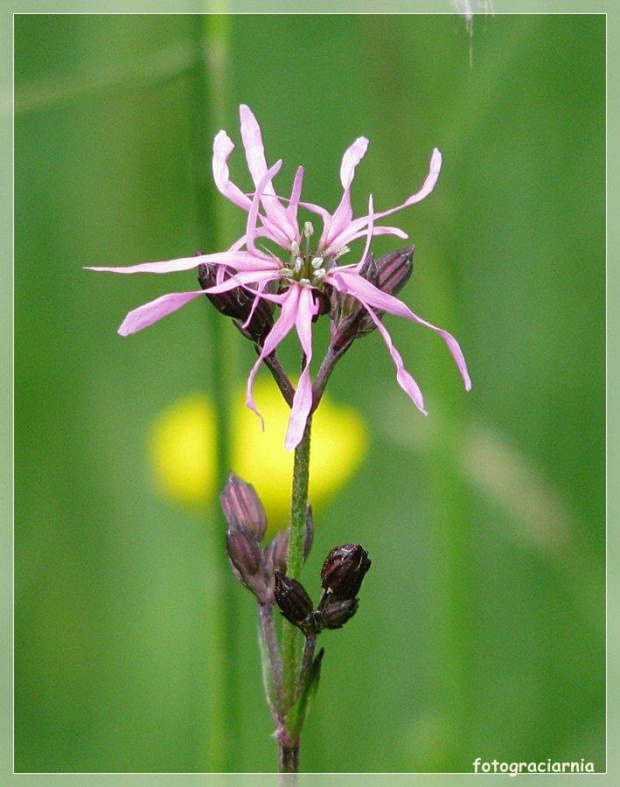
(240, 503)
(394, 270)
(247, 561)
(343, 572)
(293, 600)
(243, 550)
(238, 304)
(335, 614)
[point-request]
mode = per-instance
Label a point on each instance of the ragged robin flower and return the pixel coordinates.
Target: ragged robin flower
(300, 280)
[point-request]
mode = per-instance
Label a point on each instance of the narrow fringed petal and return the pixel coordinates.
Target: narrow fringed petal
(281, 328)
(246, 280)
(153, 311)
(324, 214)
(253, 146)
(251, 228)
(293, 204)
(369, 234)
(344, 212)
(302, 401)
(404, 379)
(349, 282)
(223, 146)
(358, 225)
(240, 260)
(396, 231)
(257, 164)
(259, 292)
(352, 157)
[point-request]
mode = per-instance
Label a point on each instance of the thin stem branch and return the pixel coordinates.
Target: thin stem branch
(299, 503)
(265, 612)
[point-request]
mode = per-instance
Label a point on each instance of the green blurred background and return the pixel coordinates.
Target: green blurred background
(481, 631)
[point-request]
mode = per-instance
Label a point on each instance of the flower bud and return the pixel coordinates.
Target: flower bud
(247, 562)
(295, 604)
(240, 503)
(343, 572)
(336, 613)
(276, 554)
(237, 303)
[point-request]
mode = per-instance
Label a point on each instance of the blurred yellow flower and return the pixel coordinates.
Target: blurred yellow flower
(182, 446)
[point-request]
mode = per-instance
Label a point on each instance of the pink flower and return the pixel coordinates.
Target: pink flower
(297, 283)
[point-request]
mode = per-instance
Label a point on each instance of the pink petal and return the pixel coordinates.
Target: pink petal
(302, 401)
(151, 312)
(369, 233)
(380, 231)
(324, 214)
(223, 146)
(238, 244)
(253, 145)
(295, 195)
(251, 229)
(404, 379)
(257, 164)
(255, 303)
(240, 260)
(348, 233)
(277, 334)
(244, 279)
(352, 157)
(344, 212)
(350, 282)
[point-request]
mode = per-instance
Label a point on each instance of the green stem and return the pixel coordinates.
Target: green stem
(290, 634)
(299, 504)
(207, 116)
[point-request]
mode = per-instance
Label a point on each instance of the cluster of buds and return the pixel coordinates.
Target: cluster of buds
(254, 566)
(342, 575)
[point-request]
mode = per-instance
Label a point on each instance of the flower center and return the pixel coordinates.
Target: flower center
(306, 269)
(305, 266)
